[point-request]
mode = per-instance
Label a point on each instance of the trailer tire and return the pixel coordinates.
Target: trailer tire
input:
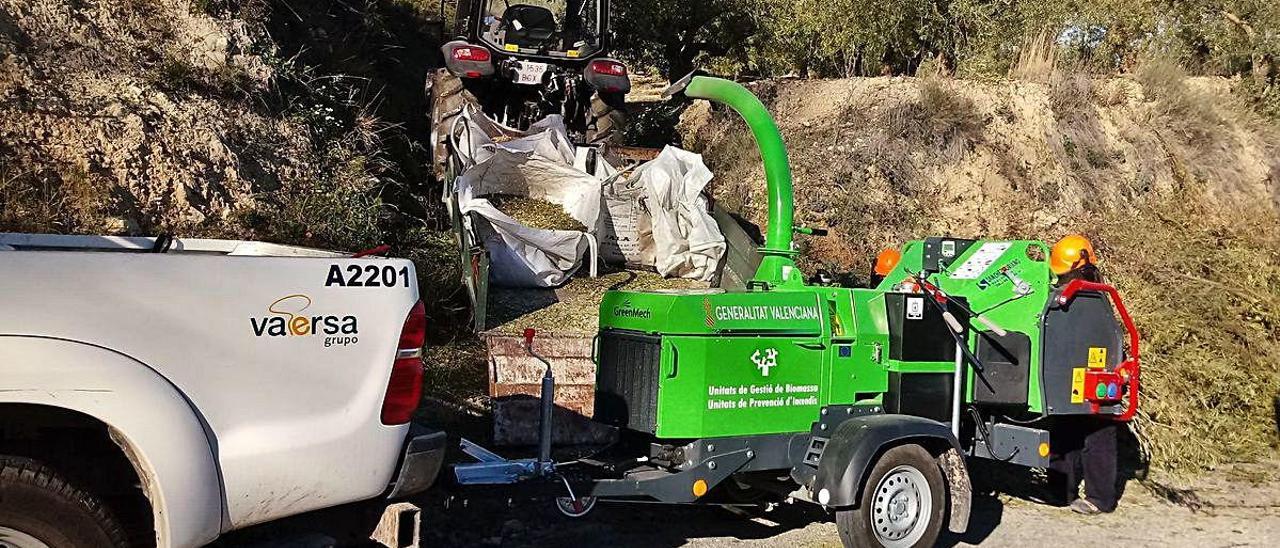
(904, 487)
(575, 508)
(42, 509)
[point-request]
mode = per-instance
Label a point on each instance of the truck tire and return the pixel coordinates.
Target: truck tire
(903, 502)
(607, 122)
(41, 510)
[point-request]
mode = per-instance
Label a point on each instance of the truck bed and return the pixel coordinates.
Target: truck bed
(140, 244)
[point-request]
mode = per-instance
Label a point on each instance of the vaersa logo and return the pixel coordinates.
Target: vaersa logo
(286, 319)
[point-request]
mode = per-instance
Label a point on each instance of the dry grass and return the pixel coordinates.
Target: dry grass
(1190, 113)
(49, 200)
(1205, 290)
(1071, 94)
(1037, 59)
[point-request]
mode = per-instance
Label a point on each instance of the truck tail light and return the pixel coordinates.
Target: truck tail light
(404, 391)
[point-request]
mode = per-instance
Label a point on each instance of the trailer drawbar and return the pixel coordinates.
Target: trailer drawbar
(864, 400)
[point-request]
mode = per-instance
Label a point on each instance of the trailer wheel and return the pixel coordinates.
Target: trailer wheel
(575, 508)
(41, 510)
(903, 502)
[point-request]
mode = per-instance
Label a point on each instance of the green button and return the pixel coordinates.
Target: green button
(1102, 390)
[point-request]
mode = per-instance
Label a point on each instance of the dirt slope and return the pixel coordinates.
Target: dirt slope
(1177, 184)
(132, 103)
(1001, 159)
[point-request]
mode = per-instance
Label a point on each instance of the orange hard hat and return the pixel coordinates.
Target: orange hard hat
(1071, 252)
(887, 260)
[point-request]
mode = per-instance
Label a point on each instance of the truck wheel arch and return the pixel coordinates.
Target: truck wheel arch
(155, 426)
(856, 444)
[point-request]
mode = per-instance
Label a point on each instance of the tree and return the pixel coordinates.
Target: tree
(672, 35)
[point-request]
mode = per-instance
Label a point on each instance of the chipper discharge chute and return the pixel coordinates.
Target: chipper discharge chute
(864, 400)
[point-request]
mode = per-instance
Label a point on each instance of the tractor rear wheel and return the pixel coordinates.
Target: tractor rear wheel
(903, 502)
(608, 121)
(446, 96)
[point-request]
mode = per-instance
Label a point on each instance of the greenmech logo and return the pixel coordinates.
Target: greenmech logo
(625, 310)
(998, 277)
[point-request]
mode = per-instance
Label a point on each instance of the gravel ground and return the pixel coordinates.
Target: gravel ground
(1238, 506)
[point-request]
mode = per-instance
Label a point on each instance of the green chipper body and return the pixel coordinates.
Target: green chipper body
(777, 357)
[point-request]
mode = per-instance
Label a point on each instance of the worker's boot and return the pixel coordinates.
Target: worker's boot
(1083, 506)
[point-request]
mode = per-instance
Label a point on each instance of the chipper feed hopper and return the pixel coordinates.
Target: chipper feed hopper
(864, 400)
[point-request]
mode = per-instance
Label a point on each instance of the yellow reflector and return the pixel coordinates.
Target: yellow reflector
(511, 47)
(572, 53)
(1044, 449)
(699, 488)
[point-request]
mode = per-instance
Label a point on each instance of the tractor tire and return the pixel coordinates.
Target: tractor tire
(607, 123)
(903, 502)
(41, 509)
(445, 98)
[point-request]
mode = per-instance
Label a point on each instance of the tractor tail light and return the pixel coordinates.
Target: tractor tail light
(405, 387)
(467, 60)
(611, 68)
(608, 76)
(471, 53)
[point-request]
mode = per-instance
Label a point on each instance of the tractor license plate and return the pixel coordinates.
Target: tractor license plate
(528, 72)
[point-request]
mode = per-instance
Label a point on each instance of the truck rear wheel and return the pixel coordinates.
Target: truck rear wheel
(42, 510)
(903, 502)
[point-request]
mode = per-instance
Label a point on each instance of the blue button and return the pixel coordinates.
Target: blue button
(1112, 389)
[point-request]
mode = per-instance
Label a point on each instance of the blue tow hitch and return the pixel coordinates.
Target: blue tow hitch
(493, 469)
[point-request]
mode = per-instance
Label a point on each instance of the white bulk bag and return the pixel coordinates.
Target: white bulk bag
(538, 165)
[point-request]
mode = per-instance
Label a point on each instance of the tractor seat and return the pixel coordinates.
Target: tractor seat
(528, 25)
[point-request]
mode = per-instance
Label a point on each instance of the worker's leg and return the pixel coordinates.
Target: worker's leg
(1065, 463)
(1100, 465)
(1064, 476)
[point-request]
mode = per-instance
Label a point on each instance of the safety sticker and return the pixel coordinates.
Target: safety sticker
(1077, 385)
(1097, 357)
(980, 261)
(915, 308)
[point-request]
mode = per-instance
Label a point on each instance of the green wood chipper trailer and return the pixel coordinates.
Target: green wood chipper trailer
(865, 401)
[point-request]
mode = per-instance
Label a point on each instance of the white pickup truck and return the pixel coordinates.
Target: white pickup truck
(165, 391)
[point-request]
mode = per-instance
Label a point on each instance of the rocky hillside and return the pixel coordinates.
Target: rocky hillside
(1177, 183)
(133, 116)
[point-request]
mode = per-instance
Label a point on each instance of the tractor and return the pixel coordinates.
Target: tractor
(525, 61)
(866, 401)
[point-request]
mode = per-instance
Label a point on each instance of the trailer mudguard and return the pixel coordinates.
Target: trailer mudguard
(855, 444)
(155, 425)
